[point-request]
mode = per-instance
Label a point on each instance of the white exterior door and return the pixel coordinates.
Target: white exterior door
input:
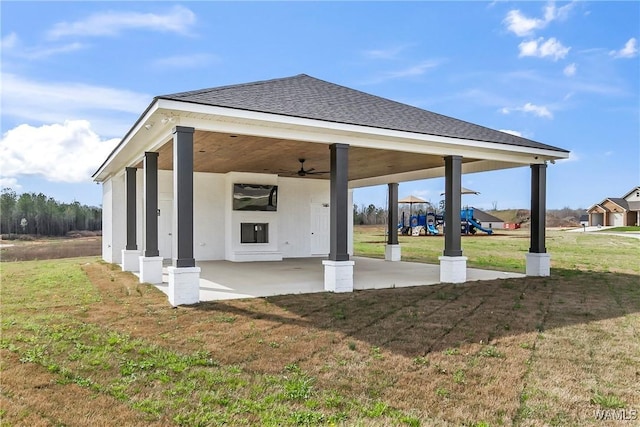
(165, 228)
(319, 229)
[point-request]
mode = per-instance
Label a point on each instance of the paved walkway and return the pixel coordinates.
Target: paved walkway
(220, 280)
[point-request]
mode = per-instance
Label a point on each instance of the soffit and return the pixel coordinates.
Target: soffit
(222, 153)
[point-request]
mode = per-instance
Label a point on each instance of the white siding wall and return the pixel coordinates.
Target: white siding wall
(209, 213)
(114, 230)
(216, 225)
(633, 197)
(165, 194)
(107, 229)
(295, 197)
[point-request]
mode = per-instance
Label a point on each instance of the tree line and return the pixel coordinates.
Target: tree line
(31, 213)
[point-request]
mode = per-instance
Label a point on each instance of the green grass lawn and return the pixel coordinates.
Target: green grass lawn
(85, 344)
(506, 250)
(631, 229)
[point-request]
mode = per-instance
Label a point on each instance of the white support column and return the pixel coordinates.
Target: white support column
(538, 260)
(338, 269)
(184, 276)
(392, 252)
(538, 264)
(150, 269)
(453, 266)
(338, 276)
(131, 253)
(150, 261)
(181, 285)
(130, 261)
(453, 269)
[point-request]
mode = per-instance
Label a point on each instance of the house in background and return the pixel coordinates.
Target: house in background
(264, 171)
(617, 211)
(584, 219)
(487, 220)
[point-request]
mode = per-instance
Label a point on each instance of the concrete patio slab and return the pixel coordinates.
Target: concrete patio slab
(223, 280)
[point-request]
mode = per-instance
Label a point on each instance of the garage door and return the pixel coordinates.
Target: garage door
(617, 219)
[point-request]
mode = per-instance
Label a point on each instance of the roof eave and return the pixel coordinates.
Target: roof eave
(138, 124)
(336, 132)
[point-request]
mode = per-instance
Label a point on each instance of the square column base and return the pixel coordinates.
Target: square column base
(151, 269)
(392, 253)
(538, 264)
(453, 269)
(130, 261)
(184, 285)
(338, 276)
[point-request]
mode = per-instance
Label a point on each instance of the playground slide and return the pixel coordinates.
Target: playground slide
(479, 227)
(431, 229)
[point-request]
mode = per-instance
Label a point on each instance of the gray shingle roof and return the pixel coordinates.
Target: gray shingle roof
(620, 202)
(485, 216)
(307, 97)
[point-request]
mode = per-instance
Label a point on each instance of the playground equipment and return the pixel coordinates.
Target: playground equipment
(427, 224)
(421, 224)
(469, 224)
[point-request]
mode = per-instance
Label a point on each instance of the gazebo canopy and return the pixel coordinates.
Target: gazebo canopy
(464, 190)
(412, 199)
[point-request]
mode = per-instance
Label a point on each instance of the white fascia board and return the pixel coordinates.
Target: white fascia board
(129, 152)
(229, 120)
(472, 167)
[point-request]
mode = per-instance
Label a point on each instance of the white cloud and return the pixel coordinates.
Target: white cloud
(40, 53)
(539, 48)
(10, 183)
(388, 53)
(511, 132)
(522, 26)
(629, 50)
(55, 102)
(12, 45)
(553, 13)
(412, 71)
(573, 157)
(570, 70)
(9, 41)
(416, 70)
(536, 110)
(68, 152)
(178, 20)
(187, 61)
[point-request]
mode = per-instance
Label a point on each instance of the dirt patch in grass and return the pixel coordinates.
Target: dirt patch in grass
(32, 396)
(50, 248)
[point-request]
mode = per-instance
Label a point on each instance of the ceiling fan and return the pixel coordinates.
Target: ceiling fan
(312, 171)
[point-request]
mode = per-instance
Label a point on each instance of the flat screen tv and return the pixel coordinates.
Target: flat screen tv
(255, 197)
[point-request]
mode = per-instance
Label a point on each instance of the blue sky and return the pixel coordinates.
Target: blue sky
(76, 76)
